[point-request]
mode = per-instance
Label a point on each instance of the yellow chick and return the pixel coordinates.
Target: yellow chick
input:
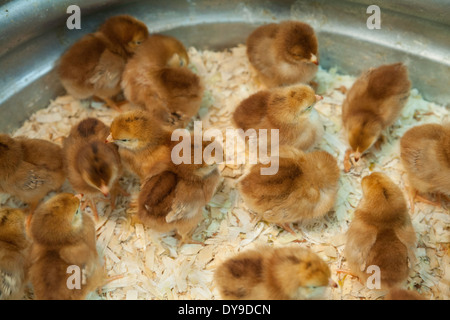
(174, 199)
(30, 168)
(381, 234)
(157, 79)
(93, 167)
(425, 154)
(14, 250)
(93, 66)
(267, 273)
(305, 187)
(64, 261)
(372, 104)
(144, 144)
(289, 109)
(284, 53)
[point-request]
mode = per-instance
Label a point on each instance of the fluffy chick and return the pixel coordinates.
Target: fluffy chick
(425, 154)
(63, 237)
(284, 53)
(93, 66)
(174, 199)
(402, 294)
(267, 273)
(14, 249)
(93, 167)
(144, 144)
(289, 109)
(30, 168)
(372, 104)
(157, 79)
(305, 187)
(381, 233)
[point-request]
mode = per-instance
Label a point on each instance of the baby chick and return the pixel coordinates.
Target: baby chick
(30, 168)
(14, 247)
(174, 199)
(381, 233)
(93, 167)
(267, 273)
(63, 241)
(305, 187)
(157, 79)
(425, 154)
(372, 104)
(284, 53)
(144, 144)
(93, 66)
(289, 109)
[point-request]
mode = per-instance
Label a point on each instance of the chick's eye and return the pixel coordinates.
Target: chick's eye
(124, 140)
(138, 42)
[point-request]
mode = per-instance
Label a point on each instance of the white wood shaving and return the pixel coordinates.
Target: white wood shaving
(151, 264)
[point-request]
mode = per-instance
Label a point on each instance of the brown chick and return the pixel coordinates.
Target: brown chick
(267, 273)
(305, 187)
(402, 294)
(289, 109)
(63, 239)
(425, 154)
(174, 199)
(381, 233)
(14, 250)
(93, 66)
(157, 79)
(284, 53)
(144, 144)
(30, 168)
(372, 104)
(93, 167)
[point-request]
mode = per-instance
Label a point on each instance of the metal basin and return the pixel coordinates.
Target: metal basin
(33, 34)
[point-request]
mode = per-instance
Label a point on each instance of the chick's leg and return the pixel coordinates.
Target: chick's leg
(347, 160)
(114, 192)
(109, 102)
(89, 202)
(288, 228)
(415, 196)
(185, 230)
(347, 272)
(31, 208)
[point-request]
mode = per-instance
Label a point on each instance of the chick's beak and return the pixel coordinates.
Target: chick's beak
(109, 139)
(357, 155)
(332, 284)
(104, 190)
(79, 196)
(314, 59)
(318, 98)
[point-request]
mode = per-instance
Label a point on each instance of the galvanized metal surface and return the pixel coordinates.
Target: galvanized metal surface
(33, 34)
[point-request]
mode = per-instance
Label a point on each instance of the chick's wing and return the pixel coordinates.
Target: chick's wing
(108, 72)
(360, 239)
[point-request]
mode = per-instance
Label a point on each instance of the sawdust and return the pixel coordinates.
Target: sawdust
(151, 265)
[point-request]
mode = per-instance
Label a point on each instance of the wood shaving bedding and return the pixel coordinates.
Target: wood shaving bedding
(150, 264)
